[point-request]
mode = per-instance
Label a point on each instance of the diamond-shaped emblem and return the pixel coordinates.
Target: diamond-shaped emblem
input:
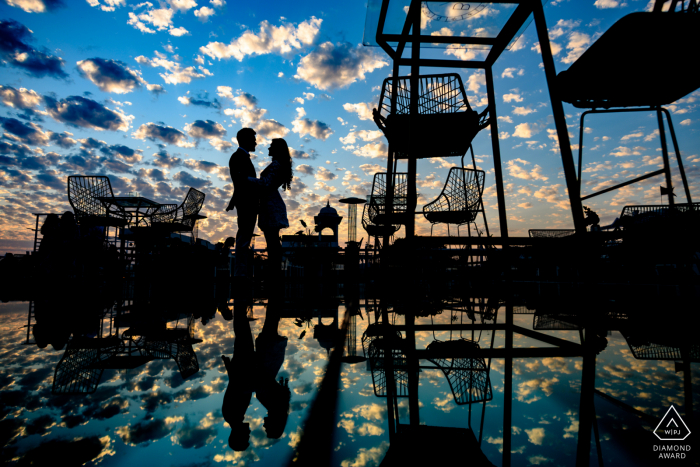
(672, 427)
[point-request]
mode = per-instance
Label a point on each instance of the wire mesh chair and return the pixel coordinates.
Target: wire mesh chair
(444, 114)
(83, 194)
(182, 218)
(79, 371)
(375, 347)
(644, 349)
(468, 377)
(460, 200)
(550, 233)
(374, 218)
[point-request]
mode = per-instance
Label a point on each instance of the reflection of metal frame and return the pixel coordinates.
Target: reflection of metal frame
(468, 377)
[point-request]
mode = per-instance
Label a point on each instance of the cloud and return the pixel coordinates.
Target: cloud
(304, 126)
(603, 4)
(63, 140)
(686, 122)
(578, 42)
(83, 112)
(525, 130)
(27, 99)
(164, 160)
(324, 174)
(518, 171)
(225, 91)
(200, 129)
(201, 101)
(373, 150)
(175, 74)
(182, 5)
(624, 151)
(523, 110)
(509, 72)
(35, 6)
(20, 132)
(370, 169)
(110, 75)
(512, 97)
(535, 435)
(160, 18)
(305, 169)
(362, 109)
(166, 134)
(15, 52)
(270, 129)
(155, 88)
(551, 195)
(110, 5)
(333, 66)
(204, 13)
(270, 39)
(143, 432)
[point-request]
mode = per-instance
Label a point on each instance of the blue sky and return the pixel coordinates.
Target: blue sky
(152, 94)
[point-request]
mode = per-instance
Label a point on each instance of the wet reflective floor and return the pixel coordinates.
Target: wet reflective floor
(151, 414)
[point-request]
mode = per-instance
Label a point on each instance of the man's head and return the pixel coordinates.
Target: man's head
(246, 139)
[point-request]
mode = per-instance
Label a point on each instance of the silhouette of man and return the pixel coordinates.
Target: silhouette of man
(253, 368)
(244, 199)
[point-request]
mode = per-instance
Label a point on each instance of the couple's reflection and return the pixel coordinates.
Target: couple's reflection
(254, 368)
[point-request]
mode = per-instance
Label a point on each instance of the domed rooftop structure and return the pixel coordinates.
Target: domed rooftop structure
(328, 211)
(328, 218)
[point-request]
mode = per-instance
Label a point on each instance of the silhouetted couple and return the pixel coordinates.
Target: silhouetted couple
(254, 369)
(259, 198)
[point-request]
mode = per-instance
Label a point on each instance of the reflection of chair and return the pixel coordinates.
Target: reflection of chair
(553, 321)
(652, 45)
(467, 376)
(83, 191)
(375, 347)
(460, 200)
(180, 218)
(643, 349)
(374, 216)
(445, 122)
(550, 233)
(79, 370)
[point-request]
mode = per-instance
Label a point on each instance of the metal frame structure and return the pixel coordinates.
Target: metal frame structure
(411, 34)
(376, 212)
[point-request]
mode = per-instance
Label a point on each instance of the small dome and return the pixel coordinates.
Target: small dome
(328, 211)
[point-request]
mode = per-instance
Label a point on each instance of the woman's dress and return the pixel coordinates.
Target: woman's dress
(273, 212)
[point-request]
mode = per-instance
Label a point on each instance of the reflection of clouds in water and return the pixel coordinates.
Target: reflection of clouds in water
(190, 435)
(367, 457)
(446, 404)
(143, 432)
(368, 429)
(525, 389)
(348, 425)
(303, 388)
(535, 435)
(370, 411)
(572, 430)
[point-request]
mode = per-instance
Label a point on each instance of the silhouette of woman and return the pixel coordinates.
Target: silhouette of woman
(253, 368)
(272, 216)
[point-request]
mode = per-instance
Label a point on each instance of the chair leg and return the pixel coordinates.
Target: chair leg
(678, 155)
(664, 153)
(431, 229)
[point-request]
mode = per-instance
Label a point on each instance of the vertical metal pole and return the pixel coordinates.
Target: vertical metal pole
(567, 158)
(389, 198)
(664, 153)
(498, 171)
(583, 449)
(411, 195)
(678, 155)
(508, 385)
(36, 231)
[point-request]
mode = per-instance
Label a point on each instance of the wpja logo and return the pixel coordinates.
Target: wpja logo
(672, 428)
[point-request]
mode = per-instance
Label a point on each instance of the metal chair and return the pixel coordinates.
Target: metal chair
(605, 78)
(374, 346)
(460, 200)
(83, 194)
(374, 216)
(445, 118)
(181, 218)
(468, 377)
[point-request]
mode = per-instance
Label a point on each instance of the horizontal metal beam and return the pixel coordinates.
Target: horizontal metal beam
(638, 179)
(546, 338)
(514, 241)
(440, 39)
(501, 353)
(431, 62)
